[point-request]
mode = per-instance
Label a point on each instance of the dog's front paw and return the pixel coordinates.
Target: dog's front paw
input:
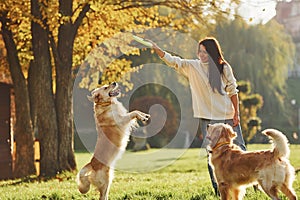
(140, 116)
(144, 117)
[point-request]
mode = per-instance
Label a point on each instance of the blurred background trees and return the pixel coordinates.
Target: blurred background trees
(249, 106)
(262, 55)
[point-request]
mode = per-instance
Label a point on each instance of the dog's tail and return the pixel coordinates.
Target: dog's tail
(82, 179)
(280, 143)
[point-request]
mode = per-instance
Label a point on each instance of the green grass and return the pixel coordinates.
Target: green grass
(163, 177)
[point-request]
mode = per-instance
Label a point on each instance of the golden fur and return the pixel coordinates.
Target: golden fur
(113, 124)
(234, 169)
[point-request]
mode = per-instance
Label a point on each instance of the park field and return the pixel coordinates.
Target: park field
(167, 174)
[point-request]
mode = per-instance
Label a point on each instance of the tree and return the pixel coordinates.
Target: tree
(42, 59)
(249, 106)
(42, 98)
(23, 129)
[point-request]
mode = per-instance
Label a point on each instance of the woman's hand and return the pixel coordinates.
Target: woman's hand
(235, 102)
(236, 119)
(156, 48)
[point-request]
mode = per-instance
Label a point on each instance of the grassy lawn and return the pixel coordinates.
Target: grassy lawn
(155, 174)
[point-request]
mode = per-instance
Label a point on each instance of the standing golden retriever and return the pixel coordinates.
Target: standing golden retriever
(113, 124)
(234, 169)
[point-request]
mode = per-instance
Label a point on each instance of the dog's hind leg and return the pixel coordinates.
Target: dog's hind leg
(271, 191)
(290, 193)
(274, 192)
(104, 187)
(104, 190)
(82, 179)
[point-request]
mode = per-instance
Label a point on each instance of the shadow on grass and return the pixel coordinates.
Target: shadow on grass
(33, 178)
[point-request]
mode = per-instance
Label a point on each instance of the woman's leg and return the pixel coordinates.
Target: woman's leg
(203, 124)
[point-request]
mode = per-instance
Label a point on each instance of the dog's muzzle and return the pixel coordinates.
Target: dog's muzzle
(115, 91)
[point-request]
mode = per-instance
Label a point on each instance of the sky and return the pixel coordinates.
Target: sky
(256, 11)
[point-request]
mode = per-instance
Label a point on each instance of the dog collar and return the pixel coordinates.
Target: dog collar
(219, 145)
(104, 103)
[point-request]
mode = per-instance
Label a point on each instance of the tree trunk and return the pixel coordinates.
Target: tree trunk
(64, 83)
(41, 77)
(24, 161)
(64, 107)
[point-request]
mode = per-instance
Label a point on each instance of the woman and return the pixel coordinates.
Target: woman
(213, 87)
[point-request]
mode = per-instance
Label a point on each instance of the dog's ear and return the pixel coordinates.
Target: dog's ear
(231, 134)
(225, 135)
(95, 98)
(92, 98)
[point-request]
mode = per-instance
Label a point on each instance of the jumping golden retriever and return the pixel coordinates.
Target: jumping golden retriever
(113, 124)
(235, 169)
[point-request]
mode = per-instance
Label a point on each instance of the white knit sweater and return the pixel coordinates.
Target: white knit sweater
(206, 103)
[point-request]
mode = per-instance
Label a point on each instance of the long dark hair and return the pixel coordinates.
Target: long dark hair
(216, 62)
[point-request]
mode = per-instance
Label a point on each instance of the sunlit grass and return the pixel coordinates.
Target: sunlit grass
(179, 179)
